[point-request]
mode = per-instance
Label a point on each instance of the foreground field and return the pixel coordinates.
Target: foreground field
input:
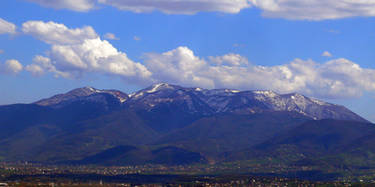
(26, 174)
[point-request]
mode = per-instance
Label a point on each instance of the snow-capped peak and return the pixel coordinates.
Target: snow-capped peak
(231, 91)
(80, 93)
(235, 91)
(85, 91)
(150, 90)
(211, 101)
(92, 89)
(198, 89)
(266, 93)
(322, 103)
(157, 87)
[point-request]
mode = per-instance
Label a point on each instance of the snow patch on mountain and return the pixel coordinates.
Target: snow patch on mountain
(157, 87)
(210, 102)
(82, 93)
(266, 93)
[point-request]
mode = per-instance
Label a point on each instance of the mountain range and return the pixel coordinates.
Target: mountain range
(174, 125)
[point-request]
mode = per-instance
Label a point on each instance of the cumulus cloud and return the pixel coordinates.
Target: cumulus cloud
(35, 69)
(288, 9)
(326, 54)
(336, 78)
(76, 5)
(42, 65)
(11, 67)
(229, 59)
(178, 66)
(180, 6)
(7, 27)
(110, 36)
(77, 51)
(83, 51)
(140, 6)
(59, 34)
(315, 9)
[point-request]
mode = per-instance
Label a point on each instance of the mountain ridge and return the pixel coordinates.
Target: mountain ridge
(212, 101)
(78, 93)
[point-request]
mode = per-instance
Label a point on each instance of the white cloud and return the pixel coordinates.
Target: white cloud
(288, 9)
(326, 54)
(43, 64)
(7, 27)
(110, 36)
(95, 55)
(315, 9)
(77, 51)
(336, 78)
(230, 60)
(179, 66)
(140, 6)
(11, 67)
(76, 5)
(59, 34)
(179, 6)
(35, 69)
(81, 52)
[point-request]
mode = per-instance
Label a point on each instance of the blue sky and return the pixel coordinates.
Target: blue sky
(241, 44)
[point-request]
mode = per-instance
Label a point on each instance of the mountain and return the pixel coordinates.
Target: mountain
(167, 124)
(95, 135)
(168, 107)
(316, 142)
(202, 102)
(218, 101)
(129, 155)
(321, 136)
(86, 94)
(230, 132)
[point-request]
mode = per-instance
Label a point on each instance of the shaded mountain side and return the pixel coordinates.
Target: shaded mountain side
(21, 145)
(92, 136)
(360, 153)
(168, 117)
(23, 128)
(15, 118)
(108, 156)
(81, 110)
(322, 136)
(130, 155)
(364, 143)
(214, 135)
(314, 141)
